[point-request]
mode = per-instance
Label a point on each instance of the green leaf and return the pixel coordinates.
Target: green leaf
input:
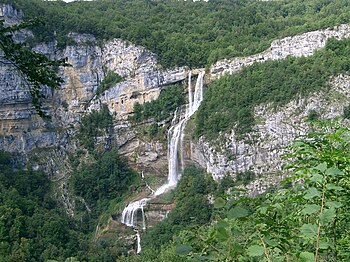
(310, 209)
(270, 242)
(311, 193)
(255, 251)
(277, 206)
(309, 230)
(222, 223)
(323, 245)
(219, 202)
(334, 187)
(237, 248)
(321, 167)
(307, 257)
(299, 144)
(262, 210)
(222, 234)
(183, 250)
(334, 204)
(317, 178)
(237, 212)
(200, 258)
(333, 171)
(327, 215)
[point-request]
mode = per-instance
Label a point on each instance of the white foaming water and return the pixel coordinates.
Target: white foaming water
(129, 215)
(138, 249)
(190, 99)
(176, 134)
(175, 137)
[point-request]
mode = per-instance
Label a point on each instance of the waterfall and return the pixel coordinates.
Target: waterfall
(138, 249)
(175, 137)
(190, 102)
(129, 215)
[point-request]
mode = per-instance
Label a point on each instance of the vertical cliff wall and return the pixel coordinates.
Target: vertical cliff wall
(21, 130)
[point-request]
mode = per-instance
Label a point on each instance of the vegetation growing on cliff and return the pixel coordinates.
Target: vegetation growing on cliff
(161, 108)
(32, 226)
(37, 70)
(109, 81)
(106, 178)
(305, 222)
(186, 33)
(93, 125)
(192, 210)
(35, 228)
(229, 102)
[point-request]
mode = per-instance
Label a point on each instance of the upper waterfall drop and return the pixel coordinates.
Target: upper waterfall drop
(190, 99)
(175, 155)
(176, 133)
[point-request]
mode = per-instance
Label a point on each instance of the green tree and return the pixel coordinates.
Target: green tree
(304, 222)
(37, 70)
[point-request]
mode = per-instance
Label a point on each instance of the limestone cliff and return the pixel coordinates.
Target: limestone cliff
(262, 151)
(300, 45)
(21, 130)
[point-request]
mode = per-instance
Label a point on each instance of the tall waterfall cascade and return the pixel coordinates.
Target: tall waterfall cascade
(175, 156)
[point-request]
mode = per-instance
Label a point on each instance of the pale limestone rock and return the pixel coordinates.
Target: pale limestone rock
(276, 130)
(301, 45)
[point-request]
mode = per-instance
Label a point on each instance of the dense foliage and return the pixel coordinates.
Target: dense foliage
(185, 32)
(229, 102)
(109, 81)
(192, 209)
(106, 178)
(304, 222)
(94, 125)
(34, 228)
(161, 108)
(31, 225)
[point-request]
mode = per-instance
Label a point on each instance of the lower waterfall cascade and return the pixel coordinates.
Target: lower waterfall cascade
(175, 158)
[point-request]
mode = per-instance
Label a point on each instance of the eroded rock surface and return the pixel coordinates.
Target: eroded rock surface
(262, 150)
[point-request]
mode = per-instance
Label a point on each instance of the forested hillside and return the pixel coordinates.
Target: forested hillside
(303, 218)
(185, 33)
(230, 101)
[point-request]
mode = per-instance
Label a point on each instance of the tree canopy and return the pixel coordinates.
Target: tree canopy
(185, 33)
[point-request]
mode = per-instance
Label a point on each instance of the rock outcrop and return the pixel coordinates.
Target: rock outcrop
(262, 150)
(300, 45)
(21, 130)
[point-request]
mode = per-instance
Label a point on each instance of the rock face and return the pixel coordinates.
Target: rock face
(262, 154)
(10, 14)
(21, 130)
(300, 45)
(263, 150)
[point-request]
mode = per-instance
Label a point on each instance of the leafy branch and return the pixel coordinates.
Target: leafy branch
(36, 69)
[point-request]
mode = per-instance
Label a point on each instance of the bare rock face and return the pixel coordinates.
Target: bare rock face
(21, 130)
(10, 14)
(301, 45)
(262, 150)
